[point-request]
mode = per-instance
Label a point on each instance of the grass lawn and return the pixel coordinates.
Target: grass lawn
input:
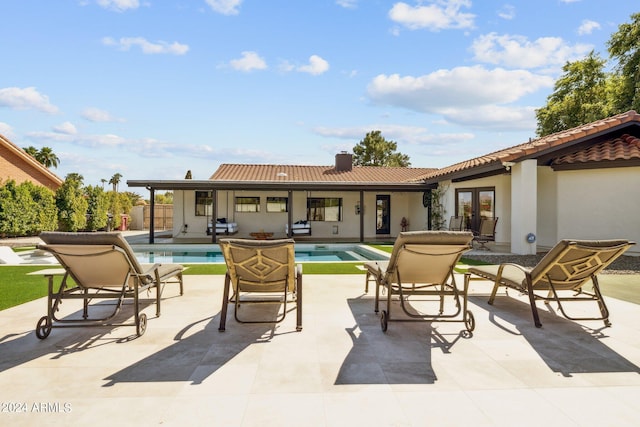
(17, 287)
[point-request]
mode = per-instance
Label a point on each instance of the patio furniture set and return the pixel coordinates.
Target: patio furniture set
(419, 277)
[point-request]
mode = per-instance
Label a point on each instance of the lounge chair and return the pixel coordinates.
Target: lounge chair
(8, 256)
(486, 233)
(261, 271)
(566, 268)
(455, 223)
(421, 264)
(100, 265)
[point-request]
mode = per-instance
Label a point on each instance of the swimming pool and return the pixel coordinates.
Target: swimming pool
(196, 254)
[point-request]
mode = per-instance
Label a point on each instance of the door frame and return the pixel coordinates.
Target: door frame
(384, 226)
(474, 214)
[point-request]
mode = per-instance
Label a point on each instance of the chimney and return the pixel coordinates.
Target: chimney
(344, 162)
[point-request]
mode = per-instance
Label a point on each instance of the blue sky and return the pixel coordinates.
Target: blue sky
(153, 88)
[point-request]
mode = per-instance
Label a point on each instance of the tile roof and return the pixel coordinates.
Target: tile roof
(298, 173)
(532, 147)
(626, 147)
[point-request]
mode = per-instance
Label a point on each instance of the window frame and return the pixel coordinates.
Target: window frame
(207, 206)
(320, 213)
(281, 201)
(250, 201)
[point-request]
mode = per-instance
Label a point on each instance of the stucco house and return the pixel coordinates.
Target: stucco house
(17, 165)
(580, 183)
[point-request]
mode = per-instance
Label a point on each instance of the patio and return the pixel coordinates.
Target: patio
(341, 370)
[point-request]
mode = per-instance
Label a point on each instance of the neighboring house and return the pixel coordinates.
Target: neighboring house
(583, 183)
(17, 165)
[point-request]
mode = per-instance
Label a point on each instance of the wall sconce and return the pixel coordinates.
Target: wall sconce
(358, 210)
(508, 165)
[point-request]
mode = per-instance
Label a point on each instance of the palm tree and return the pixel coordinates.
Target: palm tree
(47, 157)
(115, 180)
(103, 181)
(31, 150)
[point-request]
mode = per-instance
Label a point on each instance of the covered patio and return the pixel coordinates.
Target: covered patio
(340, 370)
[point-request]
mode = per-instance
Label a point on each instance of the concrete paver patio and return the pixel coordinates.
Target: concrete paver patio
(341, 370)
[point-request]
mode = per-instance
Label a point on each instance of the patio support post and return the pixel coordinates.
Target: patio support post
(361, 216)
(290, 213)
(152, 214)
(214, 213)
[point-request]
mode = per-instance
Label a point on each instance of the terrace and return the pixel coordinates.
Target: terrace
(341, 369)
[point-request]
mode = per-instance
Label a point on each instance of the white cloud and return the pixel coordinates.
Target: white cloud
(93, 114)
(225, 7)
(507, 12)
(6, 130)
(26, 98)
(66, 128)
(439, 15)
(415, 135)
(147, 47)
(518, 51)
(588, 26)
(316, 66)
(347, 4)
(119, 5)
(249, 61)
(460, 93)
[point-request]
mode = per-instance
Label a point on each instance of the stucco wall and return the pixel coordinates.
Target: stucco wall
(547, 224)
(408, 205)
(599, 204)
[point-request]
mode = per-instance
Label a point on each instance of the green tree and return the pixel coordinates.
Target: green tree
(31, 150)
(375, 150)
(164, 199)
(583, 94)
(26, 209)
(96, 208)
(115, 181)
(45, 205)
(624, 46)
(47, 157)
(17, 211)
(72, 204)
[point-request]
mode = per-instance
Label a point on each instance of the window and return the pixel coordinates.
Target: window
(247, 204)
(204, 203)
(277, 204)
(324, 209)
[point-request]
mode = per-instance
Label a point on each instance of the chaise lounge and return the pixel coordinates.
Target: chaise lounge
(421, 265)
(99, 266)
(565, 269)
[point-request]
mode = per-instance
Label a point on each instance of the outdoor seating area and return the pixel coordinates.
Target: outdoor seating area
(341, 369)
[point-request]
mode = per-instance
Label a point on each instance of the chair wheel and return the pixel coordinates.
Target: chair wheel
(384, 320)
(142, 324)
(43, 328)
(470, 321)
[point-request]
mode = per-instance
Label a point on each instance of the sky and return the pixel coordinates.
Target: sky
(151, 89)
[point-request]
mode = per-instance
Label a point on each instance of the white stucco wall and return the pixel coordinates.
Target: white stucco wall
(408, 205)
(547, 227)
(600, 204)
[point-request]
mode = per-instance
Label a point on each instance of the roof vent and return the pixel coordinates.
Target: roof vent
(344, 161)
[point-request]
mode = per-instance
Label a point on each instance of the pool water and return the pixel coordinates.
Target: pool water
(191, 254)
